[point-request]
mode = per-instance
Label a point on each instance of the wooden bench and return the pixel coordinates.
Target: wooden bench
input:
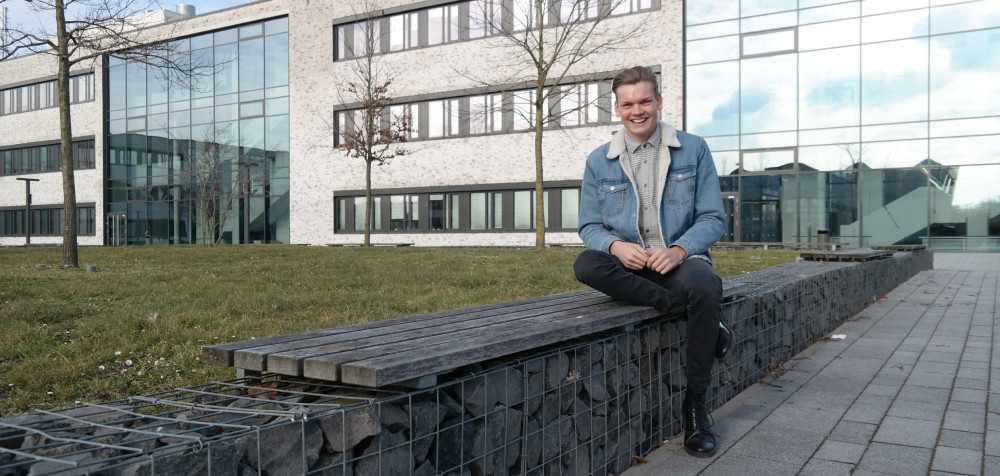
(412, 351)
(740, 245)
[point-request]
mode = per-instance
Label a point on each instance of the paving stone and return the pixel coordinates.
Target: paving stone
(924, 394)
(979, 408)
(749, 465)
(917, 410)
(773, 443)
(964, 421)
(882, 390)
(956, 460)
(991, 465)
(962, 439)
(936, 367)
(993, 443)
(908, 431)
(840, 451)
(969, 395)
(930, 379)
(822, 467)
(971, 383)
(868, 409)
(853, 432)
(896, 459)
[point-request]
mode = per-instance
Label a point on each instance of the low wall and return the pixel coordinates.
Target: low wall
(589, 406)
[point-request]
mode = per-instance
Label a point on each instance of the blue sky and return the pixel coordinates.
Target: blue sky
(19, 12)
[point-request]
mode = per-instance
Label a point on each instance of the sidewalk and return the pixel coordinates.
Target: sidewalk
(914, 388)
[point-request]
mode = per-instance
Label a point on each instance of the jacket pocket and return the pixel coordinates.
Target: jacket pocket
(681, 185)
(611, 196)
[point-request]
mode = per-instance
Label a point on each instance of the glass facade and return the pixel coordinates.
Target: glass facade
(202, 154)
(878, 120)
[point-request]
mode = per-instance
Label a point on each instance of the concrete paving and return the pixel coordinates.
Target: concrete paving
(914, 388)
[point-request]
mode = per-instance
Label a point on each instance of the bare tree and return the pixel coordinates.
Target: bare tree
(216, 178)
(547, 42)
(369, 127)
(83, 32)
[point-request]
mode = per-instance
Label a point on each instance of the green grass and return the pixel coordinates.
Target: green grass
(137, 325)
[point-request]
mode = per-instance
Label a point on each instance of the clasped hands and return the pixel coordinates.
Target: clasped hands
(635, 257)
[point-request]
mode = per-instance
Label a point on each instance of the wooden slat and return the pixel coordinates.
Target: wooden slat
(287, 360)
(223, 354)
(401, 366)
(328, 367)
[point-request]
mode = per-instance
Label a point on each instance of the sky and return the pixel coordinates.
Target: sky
(19, 11)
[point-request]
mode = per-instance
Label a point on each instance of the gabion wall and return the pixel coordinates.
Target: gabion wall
(585, 407)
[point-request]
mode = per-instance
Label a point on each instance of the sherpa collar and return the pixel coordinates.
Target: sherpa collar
(668, 137)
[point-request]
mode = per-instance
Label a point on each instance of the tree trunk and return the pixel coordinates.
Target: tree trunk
(368, 203)
(69, 235)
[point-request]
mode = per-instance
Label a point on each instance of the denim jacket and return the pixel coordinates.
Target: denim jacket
(691, 214)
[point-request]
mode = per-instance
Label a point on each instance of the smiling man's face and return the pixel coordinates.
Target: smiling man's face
(638, 105)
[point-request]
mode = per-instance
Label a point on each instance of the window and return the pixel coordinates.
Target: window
(46, 222)
(444, 211)
(524, 110)
(359, 213)
(442, 118)
(485, 114)
(439, 25)
(769, 42)
(45, 95)
(45, 158)
(579, 105)
(404, 212)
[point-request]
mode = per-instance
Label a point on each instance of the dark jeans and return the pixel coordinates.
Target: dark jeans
(692, 288)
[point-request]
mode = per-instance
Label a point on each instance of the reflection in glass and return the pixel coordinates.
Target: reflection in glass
(894, 81)
(895, 26)
(704, 12)
(764, 160)
(962, 63)
(768, 95)
(570, 215)
(830, 157)
(884, 155)
(769, 42)
(829, 35)
(713, 98)
(829, 97)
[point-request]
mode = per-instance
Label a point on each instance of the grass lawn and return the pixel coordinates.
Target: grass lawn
(137, 325)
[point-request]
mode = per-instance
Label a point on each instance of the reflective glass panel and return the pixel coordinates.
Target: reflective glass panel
(965, 16)
(894, 81)
(829, 97)
(705, 12)
(962, 63)
(713, 98)
(894, 26)
(768, 101)
(770, 42)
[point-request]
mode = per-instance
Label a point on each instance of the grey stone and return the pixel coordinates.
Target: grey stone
(839, 451)
(958, 461)
(961, 439)
(344, 430)
(284, 448)
(387, 454)
(896, 459)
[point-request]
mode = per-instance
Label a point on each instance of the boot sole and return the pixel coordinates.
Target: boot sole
(699, 455)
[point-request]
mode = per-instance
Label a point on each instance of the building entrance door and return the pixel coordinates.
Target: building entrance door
(731, 206)
(116, 229)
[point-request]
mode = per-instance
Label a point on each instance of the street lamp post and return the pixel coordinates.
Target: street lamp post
(27, 208)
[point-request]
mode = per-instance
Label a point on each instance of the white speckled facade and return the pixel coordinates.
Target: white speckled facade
(317, 170)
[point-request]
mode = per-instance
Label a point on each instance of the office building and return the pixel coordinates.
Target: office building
(873, 122)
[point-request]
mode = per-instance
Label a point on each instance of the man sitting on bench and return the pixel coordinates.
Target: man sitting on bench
(650, 208)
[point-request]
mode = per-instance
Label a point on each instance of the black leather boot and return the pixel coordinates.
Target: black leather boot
(699, 441)
(724, 343)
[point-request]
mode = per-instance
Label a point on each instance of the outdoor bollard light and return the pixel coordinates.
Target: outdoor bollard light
(27, 208)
